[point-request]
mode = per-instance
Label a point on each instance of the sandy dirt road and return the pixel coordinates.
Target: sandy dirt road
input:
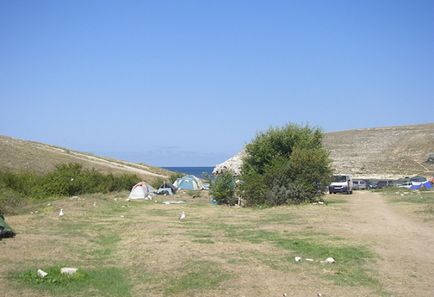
(403, 242)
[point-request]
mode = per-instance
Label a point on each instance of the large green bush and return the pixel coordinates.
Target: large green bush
(285, 165)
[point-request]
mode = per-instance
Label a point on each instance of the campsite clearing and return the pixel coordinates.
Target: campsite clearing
(140, 248)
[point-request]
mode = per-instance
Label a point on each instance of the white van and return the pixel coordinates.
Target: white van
(359, 184)
(342, 183)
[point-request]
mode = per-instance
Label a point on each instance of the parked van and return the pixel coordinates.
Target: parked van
(360, 184)
(342, 183)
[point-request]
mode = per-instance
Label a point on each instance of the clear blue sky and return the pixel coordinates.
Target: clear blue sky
(175, 83)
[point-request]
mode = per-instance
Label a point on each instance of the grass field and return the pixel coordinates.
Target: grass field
(142, 249)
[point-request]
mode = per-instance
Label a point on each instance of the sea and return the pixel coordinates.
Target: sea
(197, 171)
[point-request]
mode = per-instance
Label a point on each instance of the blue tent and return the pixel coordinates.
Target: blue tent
(188, 182)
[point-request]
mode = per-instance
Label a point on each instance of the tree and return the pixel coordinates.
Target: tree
(285, 165)
(223, 189)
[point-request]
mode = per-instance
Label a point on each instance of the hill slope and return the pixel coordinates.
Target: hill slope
(20, 155)
(382, 152)
(390, 152)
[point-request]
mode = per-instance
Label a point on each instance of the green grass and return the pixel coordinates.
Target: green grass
(199, 276)
(349, 268)
(107, 281)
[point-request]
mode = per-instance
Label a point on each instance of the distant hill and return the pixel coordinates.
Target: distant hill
(389, 152)
(382, 152)
(20, 155)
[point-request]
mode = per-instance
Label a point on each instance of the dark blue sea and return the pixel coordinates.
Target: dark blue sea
(197, 171)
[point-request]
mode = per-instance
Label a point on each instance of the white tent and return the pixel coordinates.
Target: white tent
(141, 191)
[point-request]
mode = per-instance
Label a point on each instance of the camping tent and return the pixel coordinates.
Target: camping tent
(167, 189)
(5, 229)
(188, 182)
(141, 191)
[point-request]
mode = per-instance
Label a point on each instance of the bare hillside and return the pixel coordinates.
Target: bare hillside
(390, 152)
(20, 155)
(382, 152)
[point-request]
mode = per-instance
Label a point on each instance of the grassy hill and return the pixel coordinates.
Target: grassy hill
(382, 152)
(19, 155)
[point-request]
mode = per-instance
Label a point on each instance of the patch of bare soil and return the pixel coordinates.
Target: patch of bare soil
(403, 243)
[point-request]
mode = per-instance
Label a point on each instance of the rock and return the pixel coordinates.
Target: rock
(41, 273)
(297, 259)
(233, 164)
(68, 270)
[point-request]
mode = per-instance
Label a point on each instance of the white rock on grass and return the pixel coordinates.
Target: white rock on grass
(68, 270)
(297, 259)
(41, 273)
(329, 260)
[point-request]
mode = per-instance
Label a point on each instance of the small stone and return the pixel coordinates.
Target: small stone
(68, 270)
(41, 273)
(297, 259)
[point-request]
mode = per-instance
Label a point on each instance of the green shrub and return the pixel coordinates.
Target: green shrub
(223, 189)
(285, 165)
(65, 180)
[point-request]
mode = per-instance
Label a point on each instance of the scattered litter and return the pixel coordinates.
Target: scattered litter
(173, 202)
(321, 203)
(31, 212)
(182, 216)
(319, 295)
(309, 259)
(285, 295)
(94, 204)
(74, 198)
(48, 204)
(68, 270)
(41, 273)
(128, 199)
(122, 216)
(329, 260)
(116, 199)
(297, 259)
(61, 213)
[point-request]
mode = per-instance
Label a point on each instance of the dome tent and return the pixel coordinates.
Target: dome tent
(141, 191)
(167, 189)
(5, 229)
(188, 182)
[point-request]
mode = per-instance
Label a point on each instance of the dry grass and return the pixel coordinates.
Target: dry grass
(216, 251)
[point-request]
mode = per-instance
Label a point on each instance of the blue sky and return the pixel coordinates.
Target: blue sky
(188, 83)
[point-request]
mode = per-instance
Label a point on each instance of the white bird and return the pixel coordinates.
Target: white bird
(182, 216)
(61, 213)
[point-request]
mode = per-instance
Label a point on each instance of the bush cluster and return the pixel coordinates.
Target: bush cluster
(285, 165)
(66, 180)
(223, 189)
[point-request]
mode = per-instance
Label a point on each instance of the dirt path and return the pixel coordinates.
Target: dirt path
(404, 244)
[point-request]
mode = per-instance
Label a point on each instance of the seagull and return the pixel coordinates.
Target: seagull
(182, 216)
(61, 214)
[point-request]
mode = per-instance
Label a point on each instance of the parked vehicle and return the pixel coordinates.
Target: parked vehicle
(360, 184)
(341, 184)
(381, 184)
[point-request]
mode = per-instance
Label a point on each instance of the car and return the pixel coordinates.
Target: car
(381, 184)
(342, 183)
(360, 184)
